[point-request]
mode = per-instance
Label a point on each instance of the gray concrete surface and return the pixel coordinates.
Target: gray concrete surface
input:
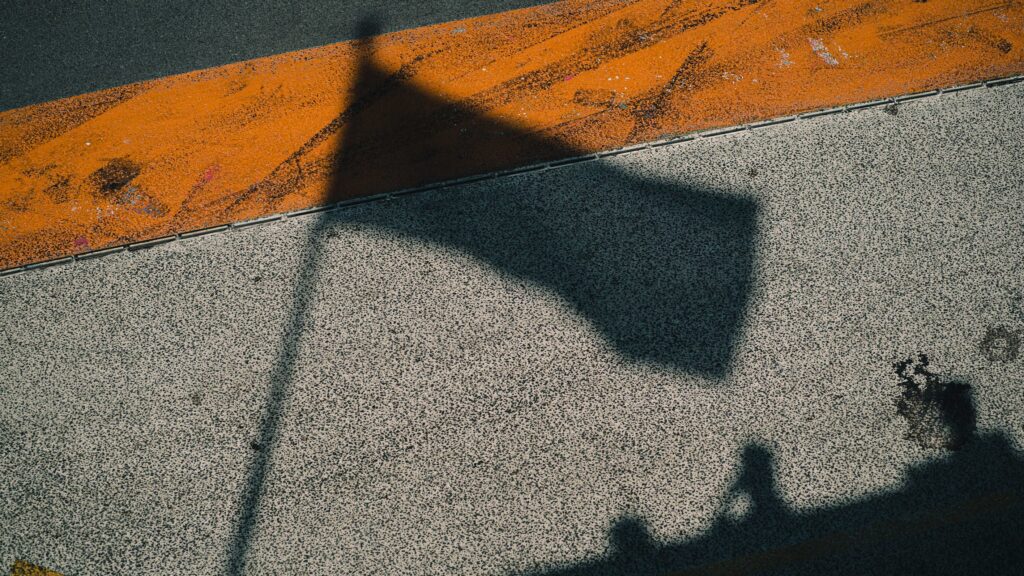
(58, 48)
(450, 402)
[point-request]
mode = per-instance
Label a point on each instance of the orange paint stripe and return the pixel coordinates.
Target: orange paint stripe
(22, 568)
(255, 138)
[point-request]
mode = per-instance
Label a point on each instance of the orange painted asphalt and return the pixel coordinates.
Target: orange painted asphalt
(300, 129)
(22, 568)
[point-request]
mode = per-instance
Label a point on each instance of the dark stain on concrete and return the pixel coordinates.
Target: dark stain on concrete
(939, 413)
(844, 19)
(1000, 344)
(113, 183)
(60, 191)
(20, 202)
(596, 98)
(113, 177)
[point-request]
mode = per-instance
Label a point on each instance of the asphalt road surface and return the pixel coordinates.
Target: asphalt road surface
(57, 48)
(674, 358)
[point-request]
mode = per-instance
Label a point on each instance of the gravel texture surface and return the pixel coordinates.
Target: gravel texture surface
(639, 364)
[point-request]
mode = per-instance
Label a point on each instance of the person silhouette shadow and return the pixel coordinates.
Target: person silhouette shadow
(756, 482)
(633, 550)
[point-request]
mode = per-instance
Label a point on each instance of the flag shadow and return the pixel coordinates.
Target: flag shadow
(662, 271)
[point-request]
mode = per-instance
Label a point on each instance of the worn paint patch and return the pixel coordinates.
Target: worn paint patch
(110, 180)
(22, 568)
(137, 162)
(784, 59)
(819, 48)
(1001, 344)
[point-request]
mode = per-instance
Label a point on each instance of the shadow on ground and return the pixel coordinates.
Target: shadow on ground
(86, 46)
(960, 514)
(663, 272)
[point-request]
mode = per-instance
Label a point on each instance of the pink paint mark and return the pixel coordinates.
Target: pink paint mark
(210, 173)
(567, 78)
(81, 242)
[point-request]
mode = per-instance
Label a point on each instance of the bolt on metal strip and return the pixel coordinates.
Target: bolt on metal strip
(134, 246)
(100, 253)
(202, 232)
(624, 150)
(772, 122)
(574, 160)
(530, 169)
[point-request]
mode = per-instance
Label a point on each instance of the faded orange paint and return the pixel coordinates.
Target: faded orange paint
(22, 568)
(355, 118)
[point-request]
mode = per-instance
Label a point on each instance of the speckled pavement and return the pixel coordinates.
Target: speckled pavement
(674, 359)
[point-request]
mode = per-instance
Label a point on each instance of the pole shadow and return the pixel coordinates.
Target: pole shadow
(662, 271)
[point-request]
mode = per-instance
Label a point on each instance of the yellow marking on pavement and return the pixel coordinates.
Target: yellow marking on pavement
(22, 568)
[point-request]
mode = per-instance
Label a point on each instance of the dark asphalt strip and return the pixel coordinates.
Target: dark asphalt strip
(57, 48)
